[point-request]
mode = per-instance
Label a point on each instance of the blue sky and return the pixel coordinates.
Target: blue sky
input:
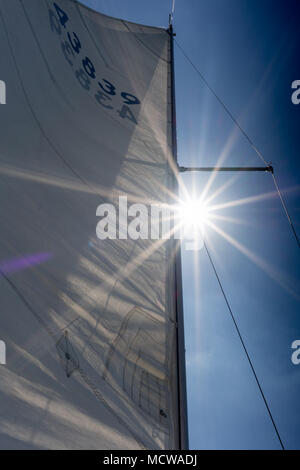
(249, 52)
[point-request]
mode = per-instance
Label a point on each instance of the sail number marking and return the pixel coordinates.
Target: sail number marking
(71, 48)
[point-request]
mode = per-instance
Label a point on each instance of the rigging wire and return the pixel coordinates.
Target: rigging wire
(250, 141)
(222, 104)
(285, 209)
(244, 347)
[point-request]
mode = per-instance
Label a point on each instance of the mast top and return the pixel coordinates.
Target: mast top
(171, 15)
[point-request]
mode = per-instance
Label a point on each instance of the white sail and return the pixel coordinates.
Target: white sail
(89, 325)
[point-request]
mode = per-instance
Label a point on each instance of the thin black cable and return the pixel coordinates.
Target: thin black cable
(222, 104)
(285, 210)
(258, 153)
(244, 347)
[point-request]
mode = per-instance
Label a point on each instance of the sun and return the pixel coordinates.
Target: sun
(193, 215)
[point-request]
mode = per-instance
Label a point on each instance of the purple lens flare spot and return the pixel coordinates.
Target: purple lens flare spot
(18, 264)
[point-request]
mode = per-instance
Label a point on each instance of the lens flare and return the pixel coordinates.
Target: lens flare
(193, 215)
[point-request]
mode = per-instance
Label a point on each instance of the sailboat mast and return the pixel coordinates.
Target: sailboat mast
(181, 375)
